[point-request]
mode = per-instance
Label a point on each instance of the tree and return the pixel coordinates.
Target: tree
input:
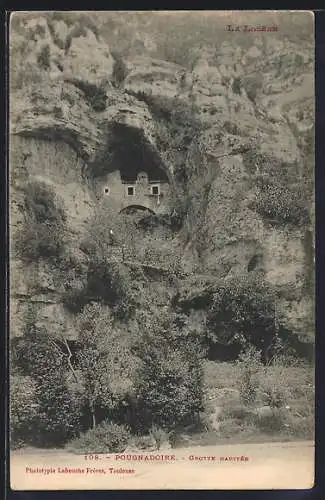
(105, 361)
(24, 409)
(243, 311)
(169, 378)
(39, 356)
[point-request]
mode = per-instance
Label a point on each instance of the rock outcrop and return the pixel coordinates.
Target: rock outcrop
(59, 137)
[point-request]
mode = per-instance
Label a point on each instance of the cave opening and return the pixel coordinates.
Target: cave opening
(131, 154)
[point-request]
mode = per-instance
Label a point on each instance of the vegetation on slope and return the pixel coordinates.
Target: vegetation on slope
(43, 231)
(138, 367)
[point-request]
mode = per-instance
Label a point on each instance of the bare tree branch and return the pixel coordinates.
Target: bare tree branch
(69, 359)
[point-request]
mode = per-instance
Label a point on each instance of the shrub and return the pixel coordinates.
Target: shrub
(24, 409)
(235, 412)
(106, 281)
(43, 232)
(146, 442)
(233, 427)
(302, 427)
(95, 95)
(98, 99)
(74, 300)
(231, 128)
(220, 374)
(279, 198)
(43, 58)
(271, 388)
(271, 423)
(119, 70)
(276, 398)
(299, 60)
(242, 311)
(236, 85)
(107, 437)
(284, 204)
(36, 241)
(42, 204)
(250, 366)
(158, 435)
(109, 283)
(225, 80)
(252, 85)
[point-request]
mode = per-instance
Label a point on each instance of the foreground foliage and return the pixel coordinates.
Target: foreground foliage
(107, 437)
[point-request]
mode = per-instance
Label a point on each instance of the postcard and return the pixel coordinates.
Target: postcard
(162, 269)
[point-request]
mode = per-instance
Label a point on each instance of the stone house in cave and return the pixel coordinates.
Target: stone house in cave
(139, 191)
(135, 178)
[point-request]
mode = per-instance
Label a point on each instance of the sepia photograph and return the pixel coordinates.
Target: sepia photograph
(162, 250)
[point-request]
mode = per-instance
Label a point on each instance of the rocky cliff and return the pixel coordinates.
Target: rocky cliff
(69, 116)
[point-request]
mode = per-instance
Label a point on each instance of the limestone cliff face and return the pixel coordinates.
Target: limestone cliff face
(59, 138)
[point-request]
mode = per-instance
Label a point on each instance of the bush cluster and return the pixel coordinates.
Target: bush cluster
(95, 95)
(280, 198)
(242, 311)
(252, 85)
(23, 409)
(237, 85)
(43, 58)
(284, 204)
(43, 231)
(106, 282)
(43, 411)
(275, 399)
(114, 385)
(106, 437)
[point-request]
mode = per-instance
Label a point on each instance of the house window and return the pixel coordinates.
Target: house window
(155, 190)
(130, 191)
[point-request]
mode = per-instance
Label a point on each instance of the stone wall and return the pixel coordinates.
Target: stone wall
(113, 193)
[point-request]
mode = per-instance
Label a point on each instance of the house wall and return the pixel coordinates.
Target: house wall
(113, 192)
